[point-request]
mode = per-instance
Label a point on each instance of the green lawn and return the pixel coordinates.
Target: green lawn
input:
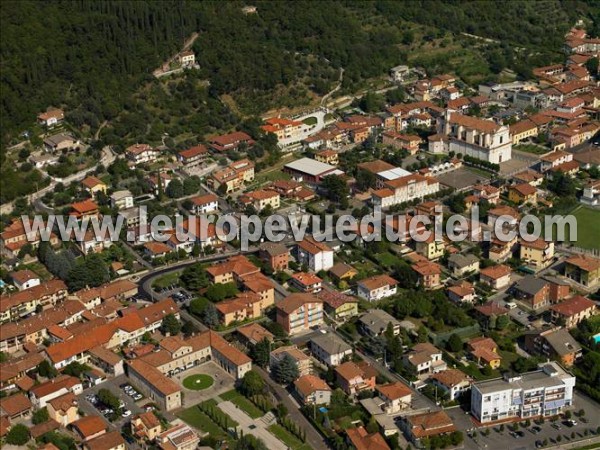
(197, 419)
(287, 438)
(387, 259)
(530, 148)
(310, 121)
(212, 403)
(243, 403)
(166, 280)
(587, 227)
(198, 382)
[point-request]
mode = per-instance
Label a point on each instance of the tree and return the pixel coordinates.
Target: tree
(502, 322)
(454, 343)
(170, 325)
(45, 369)
(174, 189)
(286, 371)
(591, 65)
(40, 416)
(76, 369)
(18, 435)
(260, 353)
(109, 399)
(188, 328)
(252, 384)
(210, 316)
(337, 189)
(249, 442)
(194, 277)
(191, 185)
(220, 291)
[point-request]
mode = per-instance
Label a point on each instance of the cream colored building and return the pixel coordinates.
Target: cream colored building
(538, 253)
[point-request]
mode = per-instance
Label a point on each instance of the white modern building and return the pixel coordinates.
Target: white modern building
(544, 392)
(329, 349)
(316, 255)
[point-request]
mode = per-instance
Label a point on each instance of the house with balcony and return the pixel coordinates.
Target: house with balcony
(452, 382)
(299, 312)
(497, 277)
(330, 349)
(396, 397)
(537, 254)
(572, 311)
(316, 255)
(583, 269)
(355, 377)
(377, 287)
(554, 343)
(425, 358)
(312, 390)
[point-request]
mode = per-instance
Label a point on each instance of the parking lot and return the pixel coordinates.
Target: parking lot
(112, 385)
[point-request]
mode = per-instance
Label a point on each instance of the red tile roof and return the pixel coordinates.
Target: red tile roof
(573, 306)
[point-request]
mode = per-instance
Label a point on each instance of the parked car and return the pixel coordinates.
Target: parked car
(536, 429)
(125, 413)
(556, 426)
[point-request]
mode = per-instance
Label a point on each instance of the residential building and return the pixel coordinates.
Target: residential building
(316, 255)
(431, 248)
(43, 393)
(583, 269)
(231, 141)
(64, 409)
(233, 177)
(145, 426)
(287, 131)
(205, 204)
(537, 254)
(25, 302)
(452, 382)
(532, 177)
(342, 271)
(522, 130)
(337, 305)
(328, 157)
(484, 351)
(398, 141)
(141, 154)
(535, 292)
(244, 306)
(25, 279)
(509, 217)
(396, 397)
(554, 343)
(94, 185)
(522, 193)
(426, 425)
(15, 407)
(260, 199)
(487, 192)
(545, 392)
(275, 255)
(234, 269)
(478, 138)
(425, 358)
(187, 58)
(254, 333)
(361, 439)
(489, 312)
(193, 157)
(312, 390)
(89, 427)
(462, 292)
(306, 282)
(180, 437)
(108, 441)
(303, 361)
(121, 199)
(497, 277)
(405, 189)
(460, 265)
(85, 209)
(51, 117)
(554, 159)
(571, 312)
(559, 289)
(60, 142)
(355, 377)
(376, 287)
(591, 193)
(330, 349)
(376, 321)
(299, 312)
(428, 274)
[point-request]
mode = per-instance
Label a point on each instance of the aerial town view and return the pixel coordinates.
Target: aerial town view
(299, 225)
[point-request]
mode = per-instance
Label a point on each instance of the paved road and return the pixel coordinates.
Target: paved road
(313, 437)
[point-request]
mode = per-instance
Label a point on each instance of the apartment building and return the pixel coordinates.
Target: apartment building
(555, 343)
(231, 141)
(407, 142)
(193, 157)
(180, 437)
(405, 189)
(299, 312)
(205, 204)
(275, 255)
(303, 361)
(545, 392)
(316, 255)
(376, 287)
(287, 131)
(571, 312)
(478, 138)
(141, 154)
(233, 177)
(261, 199)
(15, 236)
(306, 282)
(330, 349)
(25, 302)
(554, 159)
(354, 378)
(312, 390)
(537, 254)
(497, 277)
(428, 274)
(583, 269)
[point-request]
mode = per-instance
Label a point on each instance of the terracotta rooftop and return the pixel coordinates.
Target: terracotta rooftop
(378, 281)
(524, 189)
(394, 391)
(294, 301)
(450, 377)
(362, 440)
(255, 332)
(485, 126)
(15, 404)
(308, 384)
(312, 246)
(430, 424)
(573, 306)
(584, 262)
(107, 441)
(496, 272)
(89, 425)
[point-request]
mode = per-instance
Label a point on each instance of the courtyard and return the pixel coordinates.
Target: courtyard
(213, 381)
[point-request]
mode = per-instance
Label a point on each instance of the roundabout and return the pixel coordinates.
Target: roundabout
(198, 382)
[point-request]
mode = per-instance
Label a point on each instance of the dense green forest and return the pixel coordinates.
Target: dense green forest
(95, 58)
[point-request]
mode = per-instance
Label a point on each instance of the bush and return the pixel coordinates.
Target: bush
(18, 435)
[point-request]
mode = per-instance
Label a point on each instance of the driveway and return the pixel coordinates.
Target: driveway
(247, 425)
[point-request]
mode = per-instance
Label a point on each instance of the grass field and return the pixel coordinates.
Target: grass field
(198, 382)
(587, 227)
(243, 403)
(310, 121)
(166, 280)
(197, 419)
(530, 148)
(212, 403)
(287, 438)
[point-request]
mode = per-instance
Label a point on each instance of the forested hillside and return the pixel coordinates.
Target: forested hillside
(92, 56)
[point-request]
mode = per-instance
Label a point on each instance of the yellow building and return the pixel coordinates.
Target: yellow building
(523, 130)
(94, 185)
(522, 193)
(338, 305)
(431, 249)
(538, 253)
(328, 157)
(485, 352)
(64, 409)
(260, 199)
(583, 269)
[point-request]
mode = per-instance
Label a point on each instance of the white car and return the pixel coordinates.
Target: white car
(125, 413)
